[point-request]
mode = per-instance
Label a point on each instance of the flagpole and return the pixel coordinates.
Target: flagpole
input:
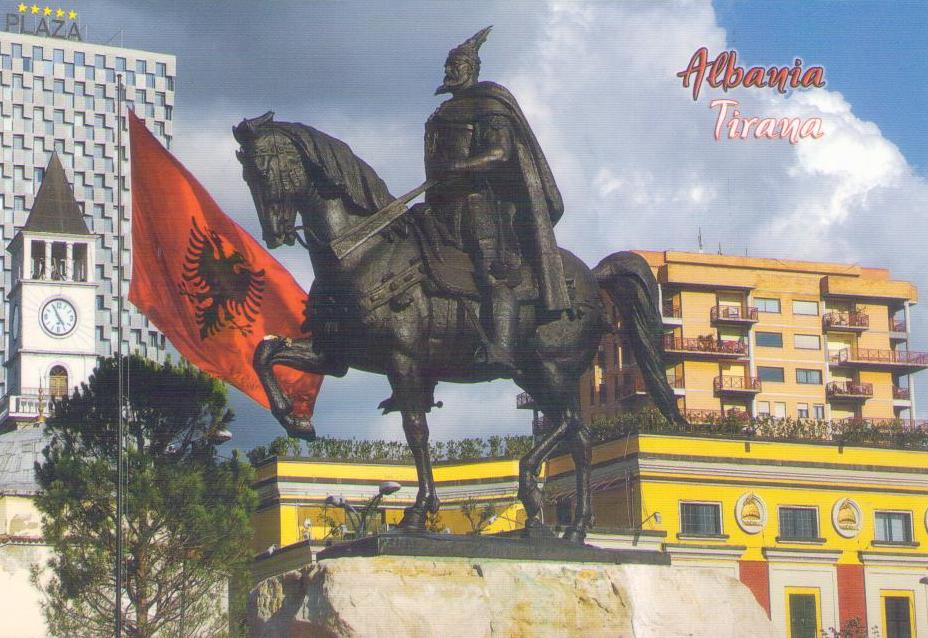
(121, 472)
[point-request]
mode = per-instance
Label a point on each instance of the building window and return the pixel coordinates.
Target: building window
(802, 410)
(798, 523)
(808, 377)
(805, 307)
(803, 612)
(767, 304)
(700, 519)
(807, 342)
(770, 339)
(818, 411)
(893, 527)
(897, 614)
(772, 374)
(58, 382)
(763, 408)
(161, 69)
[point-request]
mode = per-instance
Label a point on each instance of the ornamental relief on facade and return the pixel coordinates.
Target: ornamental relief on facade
(846, 517)
(751, 513)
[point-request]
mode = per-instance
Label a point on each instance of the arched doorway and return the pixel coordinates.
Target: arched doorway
(58, 382)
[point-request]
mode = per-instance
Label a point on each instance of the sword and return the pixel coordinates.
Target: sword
(351, 240)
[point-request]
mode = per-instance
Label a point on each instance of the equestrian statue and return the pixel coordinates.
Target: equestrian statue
(467, 286)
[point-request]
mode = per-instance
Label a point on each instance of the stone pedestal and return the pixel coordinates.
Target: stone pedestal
(449, 597)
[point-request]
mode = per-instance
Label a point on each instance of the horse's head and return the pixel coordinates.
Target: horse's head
(273, 169)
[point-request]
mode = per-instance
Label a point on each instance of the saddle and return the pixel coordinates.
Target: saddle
(450, 270)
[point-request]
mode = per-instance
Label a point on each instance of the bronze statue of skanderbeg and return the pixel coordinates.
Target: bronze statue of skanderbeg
(495, 197)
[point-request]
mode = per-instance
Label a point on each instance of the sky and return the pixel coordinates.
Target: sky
(632, 152)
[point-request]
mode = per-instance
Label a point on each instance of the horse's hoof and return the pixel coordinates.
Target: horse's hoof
(299, 428)
(413, 521)
(575, 536)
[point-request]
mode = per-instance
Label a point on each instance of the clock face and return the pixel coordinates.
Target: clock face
(58, 317)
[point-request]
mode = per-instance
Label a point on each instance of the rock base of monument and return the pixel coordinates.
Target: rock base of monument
(449, 597)
(510, 547)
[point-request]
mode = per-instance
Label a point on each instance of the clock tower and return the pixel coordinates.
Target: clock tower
(51, 302)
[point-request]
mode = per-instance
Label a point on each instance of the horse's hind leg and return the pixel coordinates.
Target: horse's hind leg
(581, 450)
(529, 492)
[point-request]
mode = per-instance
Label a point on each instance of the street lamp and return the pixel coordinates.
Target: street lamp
(360, 517)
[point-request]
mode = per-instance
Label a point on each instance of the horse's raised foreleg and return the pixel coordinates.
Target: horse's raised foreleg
(529, 492)
(300, 355)
(581, 450)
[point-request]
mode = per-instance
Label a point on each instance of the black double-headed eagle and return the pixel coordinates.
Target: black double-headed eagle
(222, 288)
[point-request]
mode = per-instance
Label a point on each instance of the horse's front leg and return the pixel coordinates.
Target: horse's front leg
(300, 355)
(412, 393)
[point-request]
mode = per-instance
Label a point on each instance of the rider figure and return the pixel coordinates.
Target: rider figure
(495, 197)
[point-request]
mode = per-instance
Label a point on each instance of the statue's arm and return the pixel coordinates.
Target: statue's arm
(496, 145)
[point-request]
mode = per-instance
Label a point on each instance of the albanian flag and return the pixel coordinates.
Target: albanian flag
(205, 282)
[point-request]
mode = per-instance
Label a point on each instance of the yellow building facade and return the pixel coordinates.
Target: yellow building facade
(821, 533)
(478, 496)
(784, 338)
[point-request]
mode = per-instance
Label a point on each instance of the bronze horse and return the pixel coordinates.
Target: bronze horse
(418, 334)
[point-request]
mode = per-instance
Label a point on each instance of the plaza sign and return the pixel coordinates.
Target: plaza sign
(45, 21)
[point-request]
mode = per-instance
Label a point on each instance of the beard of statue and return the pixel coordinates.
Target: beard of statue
(460, 73)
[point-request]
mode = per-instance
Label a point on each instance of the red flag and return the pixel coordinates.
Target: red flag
(205, 282)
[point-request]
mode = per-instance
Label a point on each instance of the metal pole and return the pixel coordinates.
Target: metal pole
(121, 435)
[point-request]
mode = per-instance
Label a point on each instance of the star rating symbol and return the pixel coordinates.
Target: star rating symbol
(47, 11)
(72, 15)
(35, 8)
(59, 13)
(22, 7)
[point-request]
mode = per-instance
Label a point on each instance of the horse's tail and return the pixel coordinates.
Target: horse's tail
(628, 279)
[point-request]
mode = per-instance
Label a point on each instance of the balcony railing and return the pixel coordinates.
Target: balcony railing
(907, 358)
(706, 345)
(903, 394)
(525, 401)
(846, 321)
(672, 310)
(849, 390)
(726, 383)
(735, 314)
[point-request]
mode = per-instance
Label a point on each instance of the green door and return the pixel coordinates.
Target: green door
(802, 616)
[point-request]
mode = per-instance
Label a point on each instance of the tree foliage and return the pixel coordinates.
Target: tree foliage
(187, 525)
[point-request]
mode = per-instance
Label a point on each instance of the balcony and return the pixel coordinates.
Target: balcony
(672, 312)
(898, 330)
(525, 401)
(707, 347)
(630, 384)
(848, 390)
(846, 321)
(907, 361)
(901, 394)
(25, 405)
(740, 315)
(726, 384)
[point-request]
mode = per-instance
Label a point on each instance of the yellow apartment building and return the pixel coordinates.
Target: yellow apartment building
(784, 338)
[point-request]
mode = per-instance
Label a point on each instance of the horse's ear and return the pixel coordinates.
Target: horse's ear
(248, 129)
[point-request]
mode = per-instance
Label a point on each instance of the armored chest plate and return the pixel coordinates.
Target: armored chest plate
(446, 140)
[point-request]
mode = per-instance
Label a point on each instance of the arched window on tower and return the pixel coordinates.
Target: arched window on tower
(58, 382)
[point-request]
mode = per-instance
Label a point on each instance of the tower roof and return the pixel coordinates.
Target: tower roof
(55, 210)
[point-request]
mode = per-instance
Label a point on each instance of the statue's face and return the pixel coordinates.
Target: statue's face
(273, 170)
(459, 74)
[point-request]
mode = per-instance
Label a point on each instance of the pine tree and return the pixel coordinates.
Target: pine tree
(187, 524)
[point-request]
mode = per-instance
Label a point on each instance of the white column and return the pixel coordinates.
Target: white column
(48, 261)
(911, 380)
(68, 261)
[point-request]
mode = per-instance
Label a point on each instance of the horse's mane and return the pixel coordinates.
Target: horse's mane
(335, 169)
